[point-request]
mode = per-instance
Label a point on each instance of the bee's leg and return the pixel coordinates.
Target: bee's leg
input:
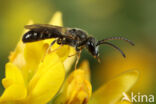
(77, 51)
(73, 54)
(49, 49)
(59, 41)
(78, 58)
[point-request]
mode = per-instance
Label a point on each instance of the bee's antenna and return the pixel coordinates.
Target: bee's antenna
(114, 46)
(116, 38)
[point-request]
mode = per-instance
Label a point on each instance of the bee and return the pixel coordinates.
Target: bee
(75, 37)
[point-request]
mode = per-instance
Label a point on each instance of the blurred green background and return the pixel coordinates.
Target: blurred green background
(133, 19)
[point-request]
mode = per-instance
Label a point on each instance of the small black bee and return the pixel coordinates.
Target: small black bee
(74, 37)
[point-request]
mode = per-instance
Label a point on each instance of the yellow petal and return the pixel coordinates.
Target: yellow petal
(77, 90)
(57, 19)
(112, 91)
(70, 60)
(13, 76)
(63, 52)
(85, 66)
(34, 53)
(17, 56)
(13, 93)
(47, 81)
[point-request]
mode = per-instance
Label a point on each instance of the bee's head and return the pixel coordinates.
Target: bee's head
(92, 47)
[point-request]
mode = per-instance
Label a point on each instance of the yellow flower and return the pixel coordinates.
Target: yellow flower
(31, 78)
(34, 77)
(78, 90)
(40, 89)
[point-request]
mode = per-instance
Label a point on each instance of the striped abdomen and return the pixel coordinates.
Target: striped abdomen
(36, 35)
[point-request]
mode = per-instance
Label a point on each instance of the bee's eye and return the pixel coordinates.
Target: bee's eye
(90, 43)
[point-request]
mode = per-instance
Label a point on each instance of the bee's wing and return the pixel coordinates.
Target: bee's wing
(42, 26)
(43, 31)
(49, 28)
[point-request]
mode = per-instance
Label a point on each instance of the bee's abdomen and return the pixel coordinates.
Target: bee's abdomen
(32, 36)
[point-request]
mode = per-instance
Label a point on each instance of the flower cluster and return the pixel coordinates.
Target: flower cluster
(33, 76)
